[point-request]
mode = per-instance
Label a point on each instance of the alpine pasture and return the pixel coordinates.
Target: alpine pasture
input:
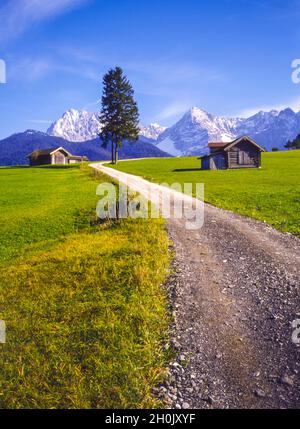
(270, 194)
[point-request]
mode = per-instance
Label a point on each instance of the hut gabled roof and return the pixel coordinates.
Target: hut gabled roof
(44, 152)
(228, 145)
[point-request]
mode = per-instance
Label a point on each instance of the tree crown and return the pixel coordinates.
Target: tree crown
(119, 115)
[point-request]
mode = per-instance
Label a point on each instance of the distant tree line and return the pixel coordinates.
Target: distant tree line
(293, 144)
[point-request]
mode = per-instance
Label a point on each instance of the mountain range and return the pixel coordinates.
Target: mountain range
(80, 126)
(192, 133)
(77, 131)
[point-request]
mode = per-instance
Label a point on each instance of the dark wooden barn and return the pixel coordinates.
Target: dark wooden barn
(240, 153)
(54, 156)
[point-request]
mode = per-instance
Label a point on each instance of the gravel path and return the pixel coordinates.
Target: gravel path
(234, 295)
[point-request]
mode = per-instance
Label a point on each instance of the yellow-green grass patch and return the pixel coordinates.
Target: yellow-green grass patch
(85, 313)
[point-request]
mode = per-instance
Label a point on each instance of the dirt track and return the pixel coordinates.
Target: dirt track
(235, 296)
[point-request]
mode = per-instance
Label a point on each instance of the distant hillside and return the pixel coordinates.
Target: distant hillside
(14, 149)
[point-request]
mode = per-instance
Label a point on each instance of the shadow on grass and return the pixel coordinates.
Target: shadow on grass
(13, 167)
(52, 167)
(183, 170)
(57, 167)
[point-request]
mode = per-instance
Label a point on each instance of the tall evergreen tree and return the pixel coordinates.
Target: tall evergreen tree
(119, 116)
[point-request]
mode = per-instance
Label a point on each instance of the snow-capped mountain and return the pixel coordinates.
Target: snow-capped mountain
(193, 132)
(152, 132)
(79, 126)
(191, 135)
(76, 126)
(271, 129)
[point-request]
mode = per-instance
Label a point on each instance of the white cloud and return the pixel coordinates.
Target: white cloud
(174, 109)
(92, 104)
(16, 16)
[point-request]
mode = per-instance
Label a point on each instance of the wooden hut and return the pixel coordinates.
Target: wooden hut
(54, 156)
(240, 153)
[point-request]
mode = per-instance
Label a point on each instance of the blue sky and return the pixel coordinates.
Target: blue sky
(229, 57)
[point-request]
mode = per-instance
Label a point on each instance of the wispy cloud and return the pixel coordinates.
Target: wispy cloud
(172, 110)
(40, 121)
(173, 70)
(17, 16)
(92, 104)
(31, 69)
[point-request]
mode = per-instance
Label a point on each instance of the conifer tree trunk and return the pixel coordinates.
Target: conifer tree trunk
(112, 153)
(116, 154)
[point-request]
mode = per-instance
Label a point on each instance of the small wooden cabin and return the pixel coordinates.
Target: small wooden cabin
(240, 153)
(54, 156)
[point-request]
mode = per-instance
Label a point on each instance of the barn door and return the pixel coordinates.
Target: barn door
(241, 157)
(244, 158)
(234, 158)
(221, 162)
(59, 159)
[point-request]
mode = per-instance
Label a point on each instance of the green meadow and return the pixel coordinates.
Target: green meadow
(270, 194)
(84, 310)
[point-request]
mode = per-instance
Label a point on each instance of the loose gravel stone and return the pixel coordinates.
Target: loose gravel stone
(260, 393)
(287, 380)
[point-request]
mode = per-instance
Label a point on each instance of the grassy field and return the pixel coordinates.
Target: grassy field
(84, 310)
(271, 194)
